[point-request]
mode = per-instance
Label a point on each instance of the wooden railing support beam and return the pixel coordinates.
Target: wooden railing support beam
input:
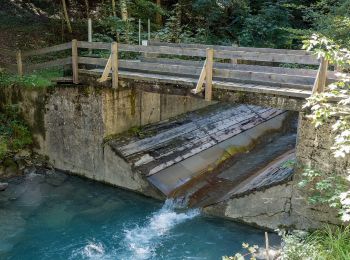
(321, 77)
(19, 63)
(114, 61)
(209, 74)
(75, 68)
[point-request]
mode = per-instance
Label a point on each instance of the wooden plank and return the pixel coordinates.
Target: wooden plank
(94, 45)
(114, 62)
(19, 63)
(209, 75)
(92, 61)
(199, 86)
(263, 76)
(163, 50)
(75, 66)
(229, 48)
(62, 80)
(7, 52)
(261, 89)
(161, 68)
(9, 67)
(48, 64)
(56, 48)
(321, 78)
(270, 57)
(106, 70)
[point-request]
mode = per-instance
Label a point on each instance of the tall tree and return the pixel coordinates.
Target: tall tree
(158, 15)
(113, 8)
(66, 16)
(124, 10)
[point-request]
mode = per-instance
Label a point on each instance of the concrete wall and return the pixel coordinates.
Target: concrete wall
(70, 125)
(286, 205)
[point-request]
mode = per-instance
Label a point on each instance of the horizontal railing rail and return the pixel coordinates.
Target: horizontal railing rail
(229, 48)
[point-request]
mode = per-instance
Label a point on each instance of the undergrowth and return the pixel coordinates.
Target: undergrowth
(14, 133)
(330, 243)
(38, 79)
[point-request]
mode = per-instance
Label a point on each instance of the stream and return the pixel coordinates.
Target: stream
(52, 215)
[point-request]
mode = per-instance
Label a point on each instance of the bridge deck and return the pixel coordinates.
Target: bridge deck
(287, 90)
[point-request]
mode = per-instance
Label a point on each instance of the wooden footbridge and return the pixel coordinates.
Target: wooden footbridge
(286, 73)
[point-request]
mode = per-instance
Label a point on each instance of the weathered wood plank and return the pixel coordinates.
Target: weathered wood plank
(163, 50)
(106, 71)
(92, 61)
(8, 66)
(75, 63)
(263, 90)
(54, 63)
(158, 152)
(94, 45)
(271, 57)
(230, 48)
(7, 52)
(162, 68)
(321, 78)
(114, 62)
(56, 48)
(209, 75)
(199, 86)
(263, 76)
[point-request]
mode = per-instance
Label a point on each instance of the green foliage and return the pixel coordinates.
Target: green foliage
(265, 29)
(14, 134)
(321, 110)
(330, 243)
(323, 188)
(38, 79)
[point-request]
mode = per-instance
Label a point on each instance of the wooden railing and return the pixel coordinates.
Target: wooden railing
(190, 60)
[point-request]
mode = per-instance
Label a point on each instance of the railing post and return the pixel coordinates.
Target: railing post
(90, 33)
(321, 78)
(209, 74)
(75, 68)
(19, 63)
(114, 59)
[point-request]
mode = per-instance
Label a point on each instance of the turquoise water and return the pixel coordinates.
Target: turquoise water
(55, 216)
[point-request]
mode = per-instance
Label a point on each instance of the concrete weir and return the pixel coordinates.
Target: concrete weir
(226, 158)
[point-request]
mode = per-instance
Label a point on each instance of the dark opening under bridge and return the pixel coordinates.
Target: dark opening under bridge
(195, 67)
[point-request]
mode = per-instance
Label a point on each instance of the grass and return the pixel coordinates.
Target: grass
(39, 79)
(329, 243)
(334, 243)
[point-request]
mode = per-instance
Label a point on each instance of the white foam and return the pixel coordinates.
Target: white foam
(142, 242)
(93, 250)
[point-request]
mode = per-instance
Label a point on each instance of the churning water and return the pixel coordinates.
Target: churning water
(53, 216)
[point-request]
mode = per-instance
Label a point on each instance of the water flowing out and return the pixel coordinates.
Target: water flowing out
(54, 216)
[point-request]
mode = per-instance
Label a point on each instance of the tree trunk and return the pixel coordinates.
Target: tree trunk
(87, 8)
(113, 8)
(124, 10)
(158, 15)
(66, 17)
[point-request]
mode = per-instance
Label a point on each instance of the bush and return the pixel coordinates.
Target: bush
(14, 134)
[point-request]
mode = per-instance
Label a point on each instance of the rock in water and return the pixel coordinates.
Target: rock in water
(3, 186)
